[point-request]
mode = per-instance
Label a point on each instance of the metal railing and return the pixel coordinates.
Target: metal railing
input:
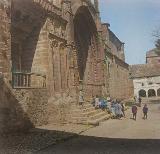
(28, 80)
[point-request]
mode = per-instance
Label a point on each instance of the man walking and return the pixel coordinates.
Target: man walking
(134, 111)
(139, 101)
(123, 109)
(145, 111)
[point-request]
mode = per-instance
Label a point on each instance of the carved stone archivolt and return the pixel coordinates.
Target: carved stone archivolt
(56, 29)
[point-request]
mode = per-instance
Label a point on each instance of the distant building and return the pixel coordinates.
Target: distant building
(153, 56)
(146, 77)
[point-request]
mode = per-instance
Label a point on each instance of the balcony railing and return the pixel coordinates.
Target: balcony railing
(28, 80)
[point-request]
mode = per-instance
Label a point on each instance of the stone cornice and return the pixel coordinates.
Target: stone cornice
(117, 58)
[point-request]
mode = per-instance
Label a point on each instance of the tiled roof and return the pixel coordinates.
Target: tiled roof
(153, 53)
(144, 70)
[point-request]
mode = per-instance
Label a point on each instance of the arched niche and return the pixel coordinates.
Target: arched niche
(142, 93)
(85, 35)
(151, 93)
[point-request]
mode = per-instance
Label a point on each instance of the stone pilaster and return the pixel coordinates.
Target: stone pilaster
(5, 39)
(51, 68)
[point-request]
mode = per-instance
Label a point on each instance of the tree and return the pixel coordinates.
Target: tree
(156, 35)
(158, 44)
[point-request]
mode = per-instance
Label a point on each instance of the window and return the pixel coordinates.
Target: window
(150, 83)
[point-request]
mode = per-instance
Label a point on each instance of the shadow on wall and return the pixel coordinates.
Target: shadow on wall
(28, 20)
(12, 116)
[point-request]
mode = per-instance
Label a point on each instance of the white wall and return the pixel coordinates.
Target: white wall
(143, 83)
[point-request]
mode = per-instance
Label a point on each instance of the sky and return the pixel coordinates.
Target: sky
(133, 22)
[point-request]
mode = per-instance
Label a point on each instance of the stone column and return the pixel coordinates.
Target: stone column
(51, 67)
(156, 92)
(63, 66)
(88, 74)
(76, 78)
(67, 14)
(100, 61)
(146, 93)
(57, 72)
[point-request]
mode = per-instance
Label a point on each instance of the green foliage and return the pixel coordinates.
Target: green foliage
(158, 44)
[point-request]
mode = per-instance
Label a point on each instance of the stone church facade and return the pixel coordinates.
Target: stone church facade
(52, 49)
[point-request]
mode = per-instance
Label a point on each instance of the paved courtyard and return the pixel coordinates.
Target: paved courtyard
(124, 136)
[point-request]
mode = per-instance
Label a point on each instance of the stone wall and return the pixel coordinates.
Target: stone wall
(5, 38)
(12, 116)
(22, 109)
(34, 104)
(113, 42)
(153, 60)
(59, 108)
(118, 82)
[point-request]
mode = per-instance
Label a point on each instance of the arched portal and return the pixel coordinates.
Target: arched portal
(151, 93)
(28, 44)
(85, 39)
(158, 92)
(142, 93)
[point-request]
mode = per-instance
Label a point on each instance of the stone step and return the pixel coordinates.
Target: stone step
(86, 112)
(85, 105)
(97, 121)
(84, 117)
(97, 116)
(91, 117)
(78, 121)
(79, 118)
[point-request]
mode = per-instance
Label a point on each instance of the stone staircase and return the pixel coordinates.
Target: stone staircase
(88, 115)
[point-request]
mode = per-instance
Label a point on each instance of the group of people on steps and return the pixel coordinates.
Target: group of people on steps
(117, 108)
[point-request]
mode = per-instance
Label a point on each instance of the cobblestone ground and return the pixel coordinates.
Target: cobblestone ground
(124, 136)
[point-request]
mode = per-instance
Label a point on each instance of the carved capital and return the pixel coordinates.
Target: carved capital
(53, 43)
(62, 45)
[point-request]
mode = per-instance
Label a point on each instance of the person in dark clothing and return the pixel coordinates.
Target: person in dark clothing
(134, 111)
(145, 111)
(123, 109)
(140, 101)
